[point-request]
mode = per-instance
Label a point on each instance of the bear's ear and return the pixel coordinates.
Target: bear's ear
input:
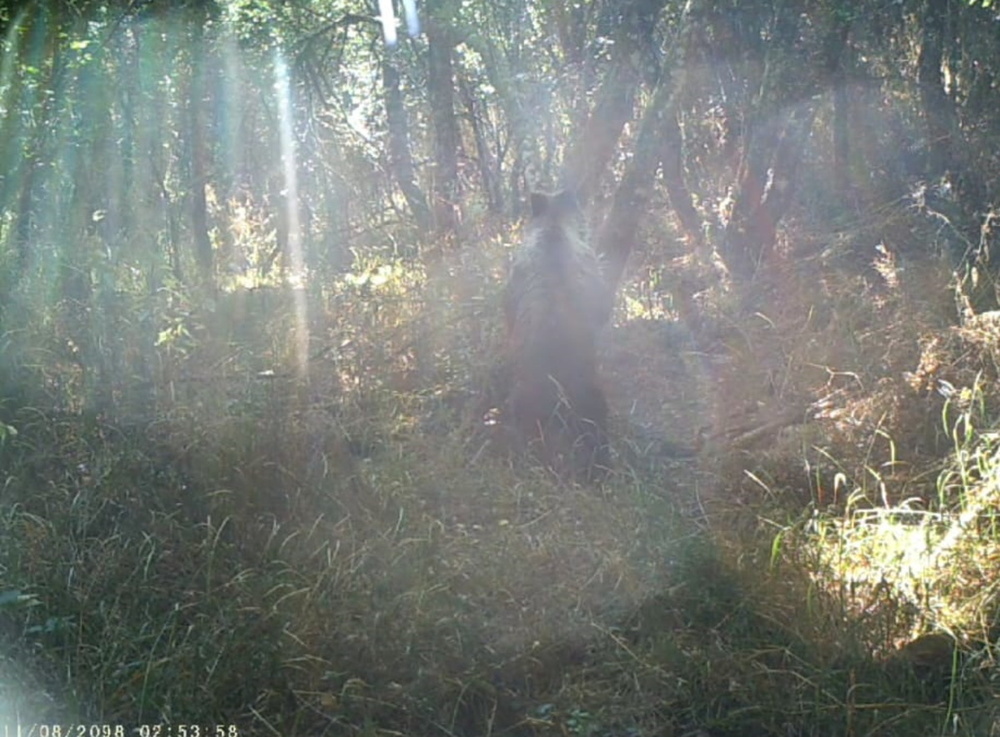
(540, 204)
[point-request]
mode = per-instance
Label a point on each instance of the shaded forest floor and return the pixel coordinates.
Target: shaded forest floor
(798, 538)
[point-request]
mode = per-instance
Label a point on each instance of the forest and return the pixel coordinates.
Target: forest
(258, 347)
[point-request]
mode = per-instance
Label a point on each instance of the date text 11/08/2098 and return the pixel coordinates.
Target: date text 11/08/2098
(120, 730)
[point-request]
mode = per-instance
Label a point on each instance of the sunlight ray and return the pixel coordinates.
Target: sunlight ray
(412, 21)
(298, 275)
(388, 18)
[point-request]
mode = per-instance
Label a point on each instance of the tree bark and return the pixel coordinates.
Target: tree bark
(400, 158)
(199, 151)
(836, 62)
(671, 157)
(766, 189)
(841, 139)
(633, 61)
(617, 235)
(487, 163)
(939, 118)
(45, 43)
(946, 144)
(440, 92)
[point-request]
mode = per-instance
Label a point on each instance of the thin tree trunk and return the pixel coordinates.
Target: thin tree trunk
(671, 157)
(836, 62)
(841, 139)
(617, 235)
(199, 152)
(440, 92)
(593, 150)
(44, 42)
(488, 166)
(946, 145)
(766, 189)
(400, 158)
(939, 118)
(746, 233)
(590, 155)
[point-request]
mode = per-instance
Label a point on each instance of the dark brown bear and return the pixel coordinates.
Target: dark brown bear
(555, 302)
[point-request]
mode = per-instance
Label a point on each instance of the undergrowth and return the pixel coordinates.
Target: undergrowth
(354, 551)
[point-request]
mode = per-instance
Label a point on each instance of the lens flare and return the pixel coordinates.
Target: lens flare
(412, 21)
(388, 17)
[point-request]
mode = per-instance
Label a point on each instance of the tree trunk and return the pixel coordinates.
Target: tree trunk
(199, 152)
(593, 150)
(590, 155)
(946, 145)
(671, 157)
(399, 146)
(44, 43)
(836, 63)
(488, 165)
(939, 117)
(766, 189)
(841, 139)
(617, 235)
(747, 233)
(787, 159)
(440, 92)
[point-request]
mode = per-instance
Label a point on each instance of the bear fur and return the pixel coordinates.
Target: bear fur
(555, 302)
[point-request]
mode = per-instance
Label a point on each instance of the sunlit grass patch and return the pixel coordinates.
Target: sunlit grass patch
(936, 557)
